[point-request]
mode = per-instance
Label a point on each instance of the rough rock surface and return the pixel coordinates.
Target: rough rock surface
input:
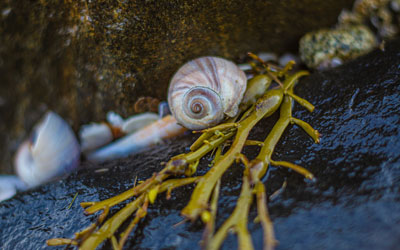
(85, 58)
(354, 204)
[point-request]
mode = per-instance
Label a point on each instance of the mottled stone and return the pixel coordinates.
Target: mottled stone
(328, 47)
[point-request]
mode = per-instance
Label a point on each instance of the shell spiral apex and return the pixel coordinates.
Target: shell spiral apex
(205, 90)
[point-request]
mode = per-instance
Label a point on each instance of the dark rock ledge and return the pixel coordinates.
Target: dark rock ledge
(354, 204)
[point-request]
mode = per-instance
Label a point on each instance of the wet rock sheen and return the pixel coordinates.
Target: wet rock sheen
(354, 204)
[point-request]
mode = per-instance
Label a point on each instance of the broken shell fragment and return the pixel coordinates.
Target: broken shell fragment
(9, 185)
(94, 135)
(138, 141)
(139, 121)
(115, 119)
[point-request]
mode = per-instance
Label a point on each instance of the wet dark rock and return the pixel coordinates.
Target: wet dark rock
(85, 58)
(354, 204)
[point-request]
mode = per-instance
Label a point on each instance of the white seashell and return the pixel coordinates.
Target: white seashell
(137, 122)
(115, 119)
(138, 141)
(9, 185)
(94, 135)
(204, 90)
(52, 150)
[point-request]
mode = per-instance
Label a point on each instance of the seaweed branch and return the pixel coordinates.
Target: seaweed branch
(252, 184)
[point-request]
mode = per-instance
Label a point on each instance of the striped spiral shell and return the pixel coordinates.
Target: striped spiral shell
(204, 90)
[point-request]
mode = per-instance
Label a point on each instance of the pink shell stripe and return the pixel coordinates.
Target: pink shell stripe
(211, 72)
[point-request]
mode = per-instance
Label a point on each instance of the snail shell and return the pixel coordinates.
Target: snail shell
(203, 91)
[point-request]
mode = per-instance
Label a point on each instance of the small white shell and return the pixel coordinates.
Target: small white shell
(51, 151)
(115, 119)
(94, 135)
(204, 90)
(9, 185)
(137, 122)
(138, 141)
